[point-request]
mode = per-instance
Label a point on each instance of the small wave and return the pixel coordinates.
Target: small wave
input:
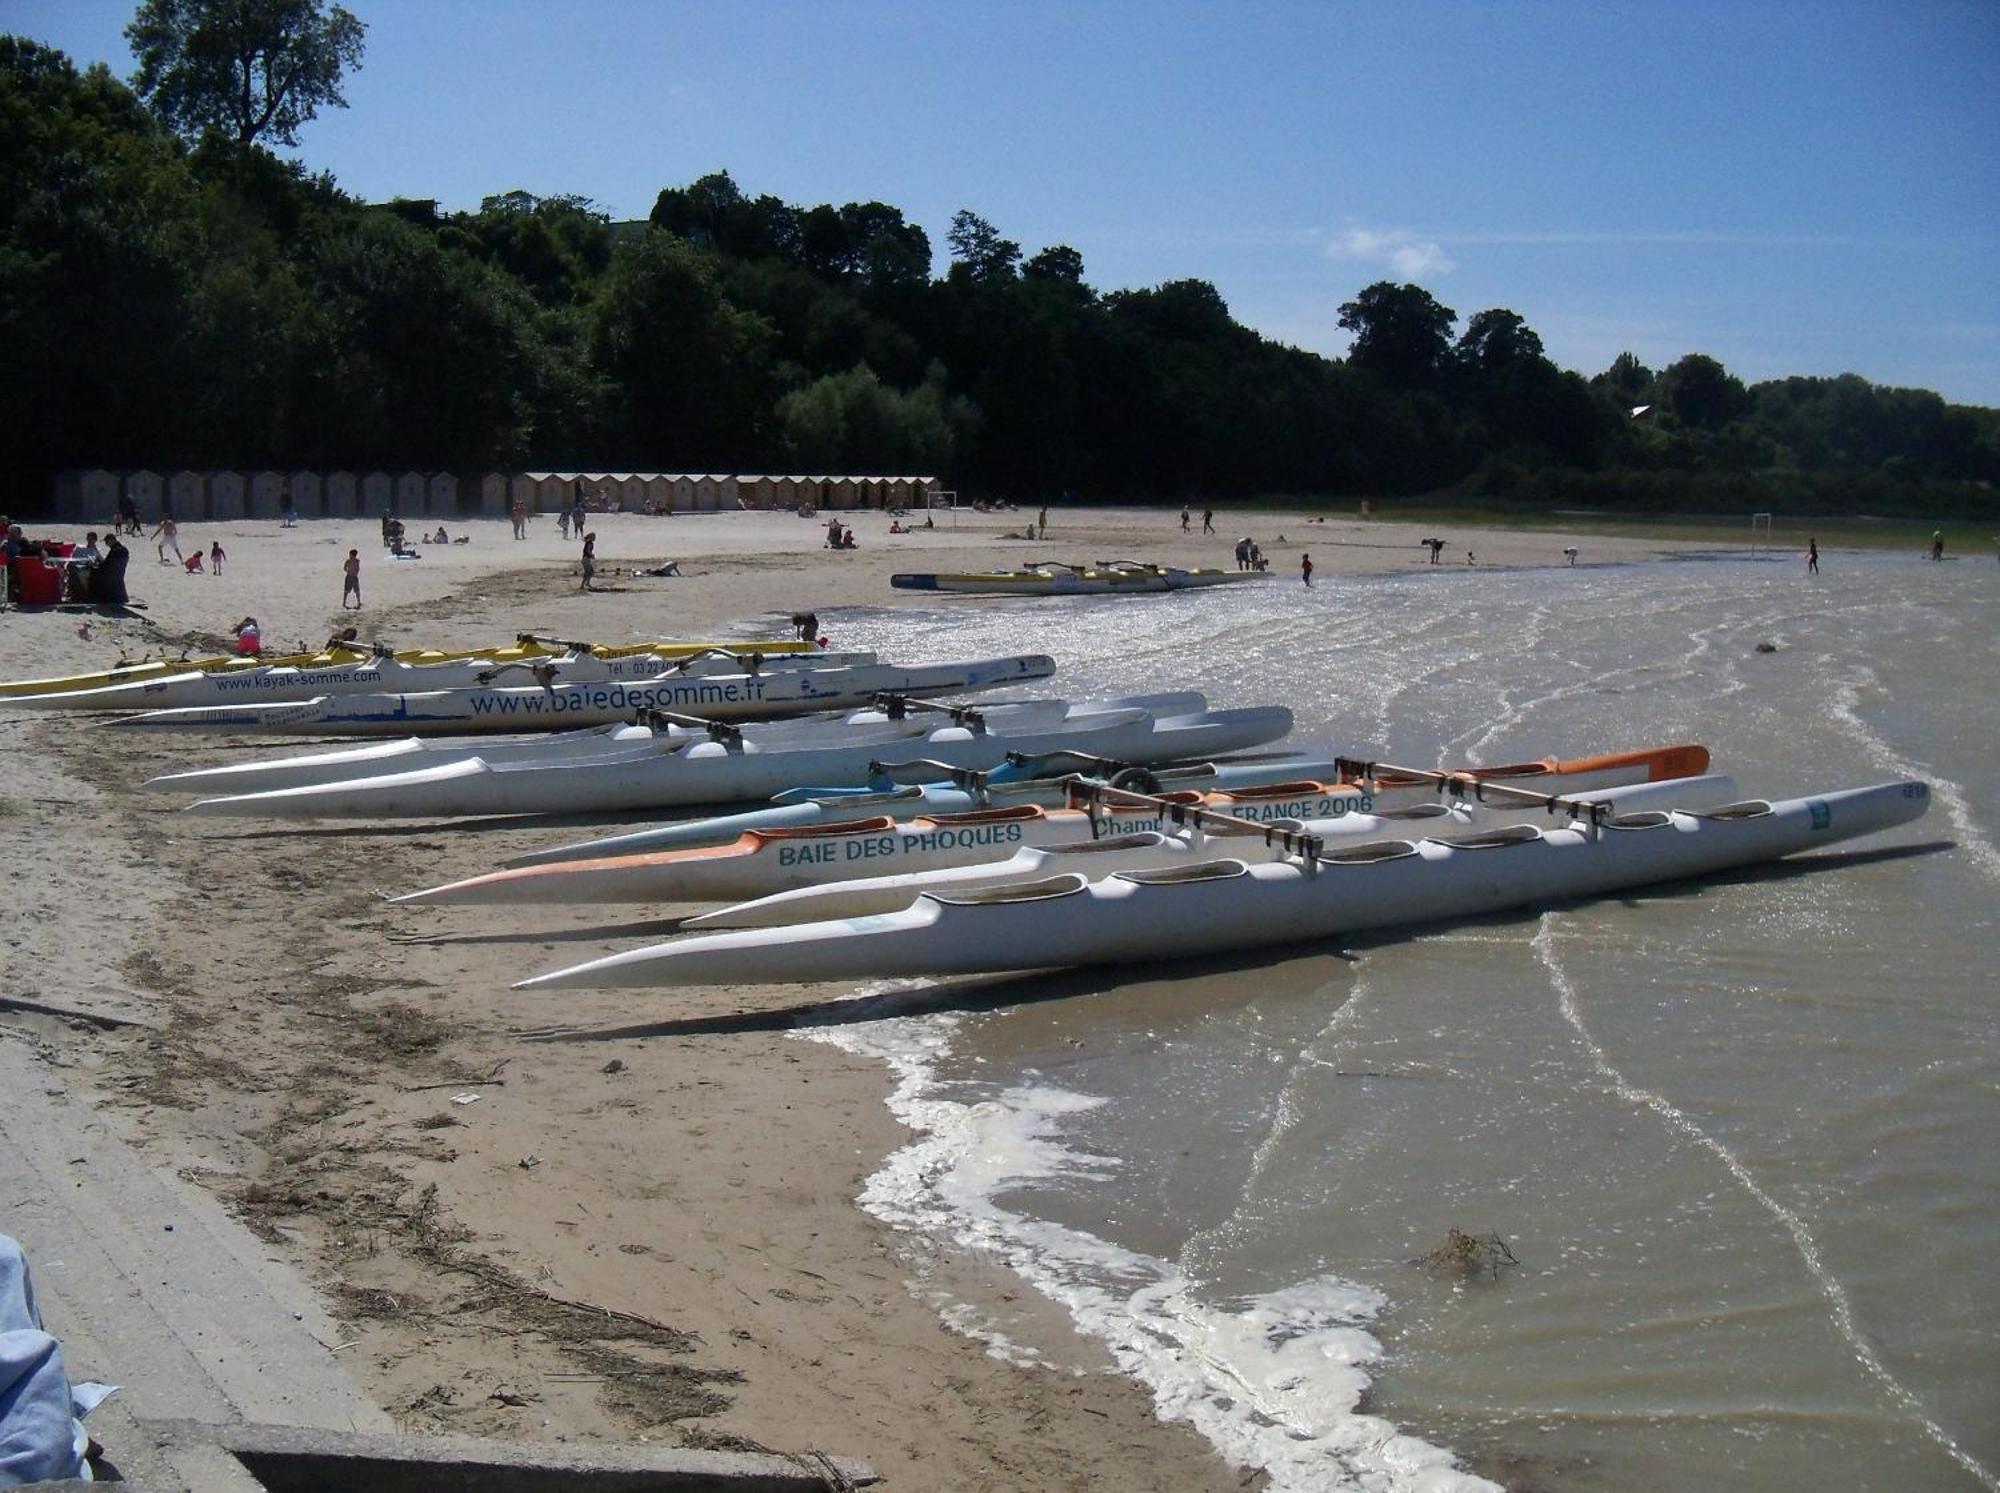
(1844, 706)
(1838, 1304)
(1272, 1381)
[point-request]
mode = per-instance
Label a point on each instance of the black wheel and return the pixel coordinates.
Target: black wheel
(1136, 780)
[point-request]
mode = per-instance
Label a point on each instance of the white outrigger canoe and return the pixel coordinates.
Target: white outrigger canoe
(1055, 578)
(621, 742)
(286, 684)
(733, 770)
(1152, 850)
(1263, 791)
(762, 862)
(560, 706)
(1219, 905)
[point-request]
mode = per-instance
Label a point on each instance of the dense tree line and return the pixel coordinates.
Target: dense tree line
(175, 295)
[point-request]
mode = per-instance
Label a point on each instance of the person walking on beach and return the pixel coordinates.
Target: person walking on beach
(1043, 522)
(350, 584)
(1306, 569)
(562, 521)
(1812, 557)
(589, 561)
(1208, 520)
(1937, 544)
(520, 517)
(1184, 518)
(169, 536)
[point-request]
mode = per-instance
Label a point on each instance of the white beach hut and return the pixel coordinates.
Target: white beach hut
(341, 496)
(305, 494)
(145, 491)
(378, 492)
(267, 495)
(187, 497)
(493, 495)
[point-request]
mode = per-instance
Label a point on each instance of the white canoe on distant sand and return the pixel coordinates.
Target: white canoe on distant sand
(762, 862)
(1263, 791)
(1225, 904)
(286, 684)
(559, 706)
(716, 772)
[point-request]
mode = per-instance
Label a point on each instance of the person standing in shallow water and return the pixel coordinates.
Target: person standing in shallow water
(1812, 557)
(1306, 569)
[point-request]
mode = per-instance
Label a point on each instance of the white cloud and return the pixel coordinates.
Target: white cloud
(1408, 255)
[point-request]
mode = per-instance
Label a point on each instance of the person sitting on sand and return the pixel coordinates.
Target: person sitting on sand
(249, 638)
(348, 639)
(192, 564)
(107, 576)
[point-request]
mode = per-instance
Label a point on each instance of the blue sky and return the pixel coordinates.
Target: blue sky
(1791, 187)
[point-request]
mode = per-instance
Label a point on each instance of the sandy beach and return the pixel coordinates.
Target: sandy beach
(644, 1226)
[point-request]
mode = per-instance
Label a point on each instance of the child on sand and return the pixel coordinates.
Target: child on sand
(351, 583)
(216, 557)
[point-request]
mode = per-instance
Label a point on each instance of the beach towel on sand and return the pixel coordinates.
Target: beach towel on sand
(41, 1432)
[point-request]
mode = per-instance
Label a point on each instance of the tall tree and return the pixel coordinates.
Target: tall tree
(976, 245)
(247, 69)
(1401, 333)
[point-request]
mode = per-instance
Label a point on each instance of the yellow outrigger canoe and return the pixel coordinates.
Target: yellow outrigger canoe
(524, 647)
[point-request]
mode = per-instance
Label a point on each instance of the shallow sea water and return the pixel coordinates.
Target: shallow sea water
(1742, 1134)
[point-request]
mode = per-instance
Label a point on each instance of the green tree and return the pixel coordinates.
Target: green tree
(247, 69)
(1402, 334)
(1702, 394)
(978, 251)
(1497, 340)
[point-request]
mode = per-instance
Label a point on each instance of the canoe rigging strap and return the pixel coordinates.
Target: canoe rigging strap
(1308, 848)
(751, 662)
(1464, 784)
(722, 731)
(544, 672)
(929, 770)
(897, 707)
(527, 639)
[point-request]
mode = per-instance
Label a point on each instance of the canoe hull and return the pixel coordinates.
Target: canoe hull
(1227, 905)
(711, 772)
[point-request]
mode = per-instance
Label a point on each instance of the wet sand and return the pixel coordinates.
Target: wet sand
(642, 1227)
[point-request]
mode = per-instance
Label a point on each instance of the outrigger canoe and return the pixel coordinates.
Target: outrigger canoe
(621, 742)
(1152, 850)
(559, 706)
(765, 861)
(1261, 791)
(1054, 578)
(283, 684)
(731, 771)
(1219, 905)
(523, 647)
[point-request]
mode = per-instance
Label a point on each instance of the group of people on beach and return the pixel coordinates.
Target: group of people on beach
(92, 574)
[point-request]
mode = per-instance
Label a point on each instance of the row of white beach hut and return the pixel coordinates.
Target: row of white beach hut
(89, 496)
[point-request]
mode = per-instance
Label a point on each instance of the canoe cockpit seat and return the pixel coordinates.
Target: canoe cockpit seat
(1116, 842)
(1201, 871)
(1750, 808)
(1512, 834)
(1027, 891)
(1366, 855)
